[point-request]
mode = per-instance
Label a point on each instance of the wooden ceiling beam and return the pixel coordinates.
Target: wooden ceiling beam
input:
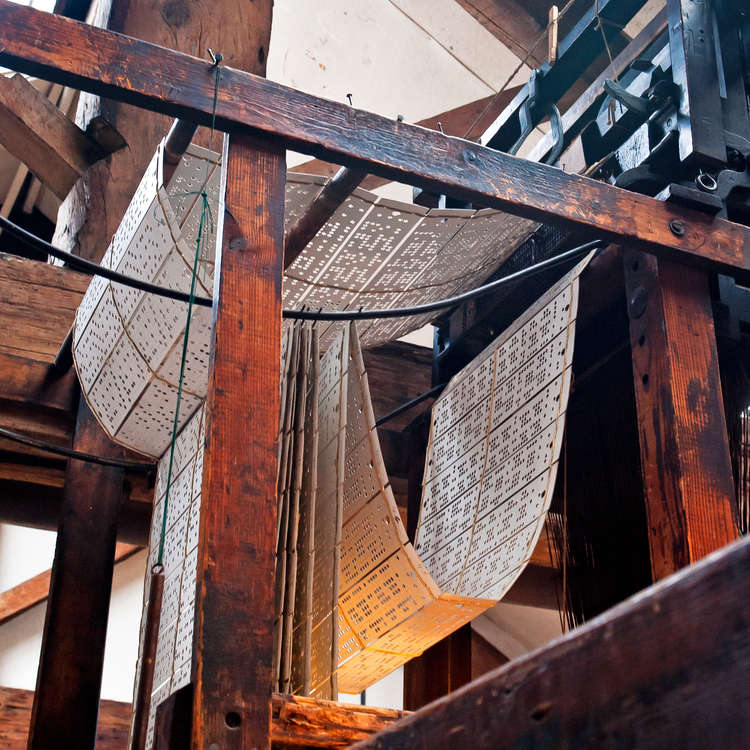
(468, 121)
(35, 131)
(135, 72)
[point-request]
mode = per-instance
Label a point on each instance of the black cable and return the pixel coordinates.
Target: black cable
(480, 291)
(436, 390)
(92, 269)
(59, 450)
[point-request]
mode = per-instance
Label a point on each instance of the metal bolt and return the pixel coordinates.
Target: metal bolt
(677, 227)
(400, 118)
(470, 155)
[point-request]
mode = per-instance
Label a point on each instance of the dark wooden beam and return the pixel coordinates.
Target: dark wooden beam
(685, 463)
(440, 670)
(23, 596)
(667, 668)
(35, 131)
(468, 121)
(15, 713)
(136, 72)
(234, 593)
(66, 701)
(296, 722)
(39, 506)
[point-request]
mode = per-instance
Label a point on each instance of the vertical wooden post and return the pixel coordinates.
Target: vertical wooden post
(66, 701)
(685, 464)
(446, 666)
(234, 594)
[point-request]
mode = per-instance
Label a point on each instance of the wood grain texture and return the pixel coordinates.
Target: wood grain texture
(66, 701)
(15, 712)
(136, 72)
(234, 594)
(685, 463)
(468, 121)
(35, 131)
(38, 506)
(37, 306)
(667, 668)
(297, 722)
(23, 596)
(238, 29)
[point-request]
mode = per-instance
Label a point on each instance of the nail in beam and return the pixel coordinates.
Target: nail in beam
(234, 593)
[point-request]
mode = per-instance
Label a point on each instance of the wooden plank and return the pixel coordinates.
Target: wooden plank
(440, 670)
(15, 712)
(468, 121)
(66, 701)
(38, 506)
(35, 131)
(235, 589)
(33, 591)
(135, 72)
(685, 464)
(307, 722)
(297, 722)
(667, 668)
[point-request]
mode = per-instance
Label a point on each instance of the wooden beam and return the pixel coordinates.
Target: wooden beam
(16, 600)
(440, 670)
(38, 506)
(468, 121)
(66, 701)
(296, 722)
(685, 464)
(135, 72)
(666, 668)
(35, 131)
(38, 303)
(234, 609)
(15, 713)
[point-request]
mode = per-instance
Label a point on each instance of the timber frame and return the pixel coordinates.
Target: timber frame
(231, 701)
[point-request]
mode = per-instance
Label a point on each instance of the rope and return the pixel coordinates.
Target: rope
(205, 211)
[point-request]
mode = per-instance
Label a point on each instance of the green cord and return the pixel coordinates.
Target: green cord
(204, 210)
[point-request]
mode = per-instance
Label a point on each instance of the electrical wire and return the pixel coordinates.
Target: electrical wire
(60, 450)
(434, 391)
(92, 269)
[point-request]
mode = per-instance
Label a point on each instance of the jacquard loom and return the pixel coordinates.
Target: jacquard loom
(585, 401)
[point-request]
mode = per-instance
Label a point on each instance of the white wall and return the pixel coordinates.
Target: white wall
(26, 552)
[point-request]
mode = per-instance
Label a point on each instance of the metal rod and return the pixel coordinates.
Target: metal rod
(148, 662)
